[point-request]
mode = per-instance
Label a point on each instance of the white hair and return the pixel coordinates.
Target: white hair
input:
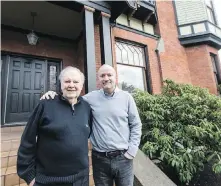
(69, 68)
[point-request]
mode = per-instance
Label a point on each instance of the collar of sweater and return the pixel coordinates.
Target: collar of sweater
(112, 94)
(66, 100)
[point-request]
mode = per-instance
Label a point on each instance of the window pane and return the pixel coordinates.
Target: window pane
(131, 54)
(209, 3)
(130, 77)
(118, 55)
(136, 59)
(214, 64)
(216, 78)
(141, 56)
(124, 56)
(210, 15)
(52, 78)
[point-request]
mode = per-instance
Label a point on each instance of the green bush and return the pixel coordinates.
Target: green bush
(181, 128)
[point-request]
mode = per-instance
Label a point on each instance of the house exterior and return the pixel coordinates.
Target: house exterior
(145, 41)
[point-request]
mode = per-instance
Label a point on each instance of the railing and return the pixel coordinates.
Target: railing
(199, 28)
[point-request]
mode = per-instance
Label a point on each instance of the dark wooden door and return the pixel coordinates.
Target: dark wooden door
(26, 84)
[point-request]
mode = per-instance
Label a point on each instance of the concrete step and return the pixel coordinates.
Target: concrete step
(11, 135)
(10, 138)
(9, 145)
(8, 159)
(8, 129)
(10, 141)
(9, 177)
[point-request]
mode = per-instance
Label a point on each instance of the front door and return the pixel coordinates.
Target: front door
(26, 83)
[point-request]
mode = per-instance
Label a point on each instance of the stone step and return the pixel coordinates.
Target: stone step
(9, 177)
(9, 172)
(13, 144)
(10, 141)
(10, 136)
(8, 159)
(9, 145)
(9, 129)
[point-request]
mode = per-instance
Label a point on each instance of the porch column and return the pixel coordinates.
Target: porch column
(89, 49)
(105, 39)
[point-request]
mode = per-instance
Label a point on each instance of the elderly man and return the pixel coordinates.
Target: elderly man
(59, 156)
(116, 131)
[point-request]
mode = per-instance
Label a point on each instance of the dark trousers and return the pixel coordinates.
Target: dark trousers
(81, 182)
(107, 170)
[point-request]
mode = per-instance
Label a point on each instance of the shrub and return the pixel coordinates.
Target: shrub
(181, 128)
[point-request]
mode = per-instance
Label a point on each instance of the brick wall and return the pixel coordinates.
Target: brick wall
(80, 59)
(97, 50)
(174, 59)
(177, 62)
(182, 65)
(200, 66)
(69, 53)
(49, 48)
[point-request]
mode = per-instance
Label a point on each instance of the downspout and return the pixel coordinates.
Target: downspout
(159, 49)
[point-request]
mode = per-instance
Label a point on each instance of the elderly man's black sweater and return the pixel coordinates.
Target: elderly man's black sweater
(60, 152)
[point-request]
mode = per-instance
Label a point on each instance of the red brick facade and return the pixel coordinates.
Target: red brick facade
(174, 60)
(48, 48)
(97, 49)
(181, 64)
(200, 66)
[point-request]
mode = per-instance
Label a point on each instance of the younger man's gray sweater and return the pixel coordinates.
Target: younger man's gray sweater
(116, 122)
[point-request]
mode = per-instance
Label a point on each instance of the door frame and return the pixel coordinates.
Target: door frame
(5, 78)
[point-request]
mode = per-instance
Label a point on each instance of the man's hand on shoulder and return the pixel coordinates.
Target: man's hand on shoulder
(49, 95)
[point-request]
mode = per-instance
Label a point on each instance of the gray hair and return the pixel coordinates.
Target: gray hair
(74, 69)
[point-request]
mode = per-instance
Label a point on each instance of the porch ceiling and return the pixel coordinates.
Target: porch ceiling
(51, 19)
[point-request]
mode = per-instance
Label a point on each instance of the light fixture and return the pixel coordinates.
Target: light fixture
(32, 37)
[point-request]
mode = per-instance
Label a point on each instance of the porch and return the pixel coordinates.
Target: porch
(68, 35)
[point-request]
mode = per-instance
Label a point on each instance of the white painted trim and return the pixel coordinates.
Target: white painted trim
(6, 87)
(15, 123)
(1, 91)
